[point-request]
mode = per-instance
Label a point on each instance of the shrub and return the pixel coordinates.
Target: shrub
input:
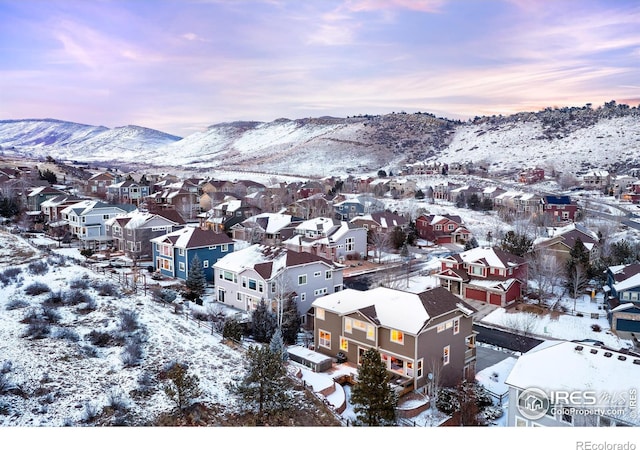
(100, 338)
(128, 320)
(68, 334)
(17, 303)
(36, 288)
(132, 353)
(10, 275)
(54, 299)
(146, 383)
(595, 327)
(51, 315)
(116, 400)
(38, 268)
(104, 289)
(38, 329)
(79, 283)
(447, 401)
(90, 412)
(89, 305)
(76, 296)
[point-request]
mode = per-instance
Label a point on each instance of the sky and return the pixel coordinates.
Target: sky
(179, 66)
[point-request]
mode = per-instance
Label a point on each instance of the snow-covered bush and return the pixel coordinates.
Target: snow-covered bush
(38, 268)
(36, 288)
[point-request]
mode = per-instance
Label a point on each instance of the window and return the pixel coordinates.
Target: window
(181, 267)
(225, 248)
(344, 344)
(319, 292)
(303, 297)
(181, 252)
(451, 227)
(105, 217)
(244, 282)
(476, 270)
(253, 284)
(438, 227)
(324, 339)
(520, 422)
(441, 327)
(456, 326)
(302, 279)
(371, 333)
(397, 336)
(317, 274)
(350, 244)
(445, 355)
(229, 276)
(205, 264)
(419, 369)
(348, 325)
(328, 275)
(320, 313)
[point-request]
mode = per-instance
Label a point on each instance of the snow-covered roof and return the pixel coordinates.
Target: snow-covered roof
(629, 283)
(400, 310)
(569, 366)
(493, 257)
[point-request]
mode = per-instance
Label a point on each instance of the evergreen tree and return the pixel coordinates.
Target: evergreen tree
(263, 322)
(471, 243)
(232, 329)
(182, 388)
(419, 194)
(373, 399)
(398, 237)
(290, 321)
(265, 384)
(516, 243)
(196, 281)
(276, 345)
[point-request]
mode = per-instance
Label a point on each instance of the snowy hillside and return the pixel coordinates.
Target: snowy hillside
(569, 140)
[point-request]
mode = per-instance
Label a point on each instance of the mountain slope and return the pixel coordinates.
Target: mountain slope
(572, 140)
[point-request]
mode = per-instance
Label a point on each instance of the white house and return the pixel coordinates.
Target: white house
(87, 218)
(245, 277)
(563, 384)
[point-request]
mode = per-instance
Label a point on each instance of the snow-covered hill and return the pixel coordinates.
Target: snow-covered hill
(568, 140)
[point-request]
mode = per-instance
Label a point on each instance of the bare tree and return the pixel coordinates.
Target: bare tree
(525, 322)
(544, 272)
(381, 241)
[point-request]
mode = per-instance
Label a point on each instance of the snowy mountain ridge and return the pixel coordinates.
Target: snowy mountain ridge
(572, 140)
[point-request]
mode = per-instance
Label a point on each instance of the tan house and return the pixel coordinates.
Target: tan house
(417, 334)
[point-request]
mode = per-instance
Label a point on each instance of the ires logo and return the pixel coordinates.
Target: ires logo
(534, 403)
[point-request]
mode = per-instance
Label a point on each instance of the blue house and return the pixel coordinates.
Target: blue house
(175, 251)
(623, 301)
(357, 206)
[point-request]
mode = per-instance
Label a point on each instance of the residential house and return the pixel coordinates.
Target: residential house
(442, 191)
(490, 193)
(128, 191)
(266, 228)
(486, 274)
(97, 185)
(315, 205)
(183, 201)
(597, 179)
(39, 195)
(418, 335)
(174, 252)
(623, 299)
(531, 175)
(132, 233)
(336, 240)
(87, 219)
(560, 241)
(529, 204)
(559, 209)
(245, 277)
(573, 384)
(381, 221)
(442, 229)
(225, 215)
(357, 206)
(402, 187)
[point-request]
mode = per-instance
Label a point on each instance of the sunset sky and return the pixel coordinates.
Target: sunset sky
(180, 66)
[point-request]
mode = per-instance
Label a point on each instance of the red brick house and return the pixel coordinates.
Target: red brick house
(485, 274)
(559, 209)
(442, 229)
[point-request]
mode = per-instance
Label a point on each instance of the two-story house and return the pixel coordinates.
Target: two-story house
(623, 298)
(573, 384)
(560, 241)
(247, 276)
(559, 209)
(419, 335)
(381, 221)
(333, 239)
(442, 229)
(87, 219)
(96, 186)
(225, 215)
(596, 179)
(357, 206)
(132, 233)
(266, 228)
(128, 191)
(174, 252)
(485, 274)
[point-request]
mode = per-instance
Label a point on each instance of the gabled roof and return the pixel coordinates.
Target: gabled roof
(625, 277)
(489, 256)
(267, 260)
(405, 311)
(193, 237)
